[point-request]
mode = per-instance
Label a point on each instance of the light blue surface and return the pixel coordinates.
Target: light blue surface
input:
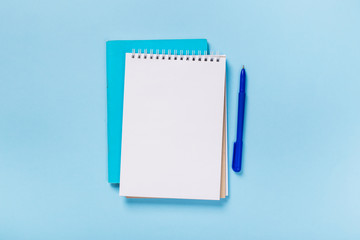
(301, 171)
(115, 74)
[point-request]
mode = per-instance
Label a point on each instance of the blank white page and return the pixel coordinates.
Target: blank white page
(172, 127)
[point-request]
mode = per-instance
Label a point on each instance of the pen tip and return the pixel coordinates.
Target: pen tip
(243, 67)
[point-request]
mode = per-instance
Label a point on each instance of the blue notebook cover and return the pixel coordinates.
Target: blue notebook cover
(115, 72)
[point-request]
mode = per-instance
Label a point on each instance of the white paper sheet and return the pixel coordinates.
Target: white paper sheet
(172, 127)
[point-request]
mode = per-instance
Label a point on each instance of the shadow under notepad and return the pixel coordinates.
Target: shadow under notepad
(170, 201)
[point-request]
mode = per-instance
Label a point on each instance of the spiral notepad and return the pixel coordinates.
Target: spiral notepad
(172, 126)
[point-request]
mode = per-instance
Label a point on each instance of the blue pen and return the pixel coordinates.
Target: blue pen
(236, 165)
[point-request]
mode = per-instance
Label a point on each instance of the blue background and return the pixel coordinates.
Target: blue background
(302, 131)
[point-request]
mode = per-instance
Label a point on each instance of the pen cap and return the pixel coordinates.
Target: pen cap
(236, 164)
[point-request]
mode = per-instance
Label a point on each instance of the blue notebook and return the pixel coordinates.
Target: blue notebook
(115, 71)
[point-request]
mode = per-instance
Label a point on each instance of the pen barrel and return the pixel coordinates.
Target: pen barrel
(242, 80)
(240, 117)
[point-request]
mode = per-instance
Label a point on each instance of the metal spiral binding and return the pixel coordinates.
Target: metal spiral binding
(175, 56)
